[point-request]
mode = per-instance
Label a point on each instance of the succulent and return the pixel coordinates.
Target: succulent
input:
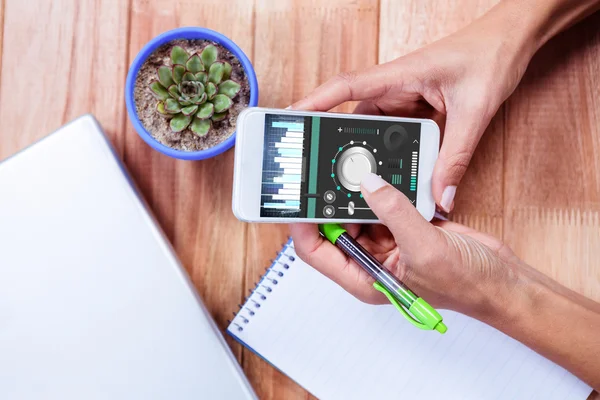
(195, 90)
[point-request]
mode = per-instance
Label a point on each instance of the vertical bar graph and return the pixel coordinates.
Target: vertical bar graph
(394, 163)
(282, 166)
(413, 171)
(395, 179)
(314, 164)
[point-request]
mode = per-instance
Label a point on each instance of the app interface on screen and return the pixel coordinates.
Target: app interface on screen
(312, 166)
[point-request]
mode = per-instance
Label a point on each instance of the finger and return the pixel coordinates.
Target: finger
(392, 207)
(461, 136)
(368, 84)
(383, 240)
(352, 229)
(368, 108)
(316, 251)
(439, 216)
(364, 107)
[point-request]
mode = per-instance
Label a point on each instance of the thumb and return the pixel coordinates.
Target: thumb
(461, 136)
(394, 210)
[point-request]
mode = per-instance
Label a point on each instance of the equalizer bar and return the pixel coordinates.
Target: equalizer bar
(285, 167)
(413, 171)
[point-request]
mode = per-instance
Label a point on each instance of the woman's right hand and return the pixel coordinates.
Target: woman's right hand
(462, 80)
(450, 265)
(454, 267)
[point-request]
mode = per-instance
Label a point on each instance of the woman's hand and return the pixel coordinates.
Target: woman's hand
(451, 266)
(454, 267)
(457, 268)
(461, 80)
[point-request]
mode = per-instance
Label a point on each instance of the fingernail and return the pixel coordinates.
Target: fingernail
(372, 182)
(440, 216)
(448, 198)
(288, 108)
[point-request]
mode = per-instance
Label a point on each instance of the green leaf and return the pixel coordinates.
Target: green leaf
(179, 55)
(185, 102)
(209, 55)
(206, 111)
(189, 110)
(194, 64)
(226, 70)
(219, 116)
(200, 100)
(160, 107)
(164, 76)
(202, 77)
(172, 106)
(174, 91)
(229, 88)
(180, 122)
(211, 90)
(188, 76)
(222, 103)
(200, 126)
(159, 91)
(215, 73)
(178, 71)
(201, 88)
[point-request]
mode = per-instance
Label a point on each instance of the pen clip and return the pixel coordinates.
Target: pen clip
(420, 314)
(400, 307)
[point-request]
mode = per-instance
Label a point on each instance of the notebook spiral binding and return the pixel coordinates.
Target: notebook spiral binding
(267, 284)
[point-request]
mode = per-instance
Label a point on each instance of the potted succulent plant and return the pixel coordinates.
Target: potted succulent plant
(185, 89)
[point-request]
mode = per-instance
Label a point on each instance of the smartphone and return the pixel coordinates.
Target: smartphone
(296, 166)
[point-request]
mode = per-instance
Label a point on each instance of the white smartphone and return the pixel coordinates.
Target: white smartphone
(296, 166)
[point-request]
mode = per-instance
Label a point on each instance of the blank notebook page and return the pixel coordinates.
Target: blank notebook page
(337, 347)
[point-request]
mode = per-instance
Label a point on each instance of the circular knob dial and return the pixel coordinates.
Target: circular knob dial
(352, 165)
(394, 137)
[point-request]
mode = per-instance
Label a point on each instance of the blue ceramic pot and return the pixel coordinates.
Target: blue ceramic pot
(185, 33)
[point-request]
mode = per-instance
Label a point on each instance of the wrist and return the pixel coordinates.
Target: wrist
(513, 297)
(521, 304)
(537, 21)
(517, 28)
(507, 42)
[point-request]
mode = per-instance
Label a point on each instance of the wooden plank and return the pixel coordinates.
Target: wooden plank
(552, 161)
(192, 200)
(299, 45)
(552, 210)
(61, 59)
(479, 197)
(408, 25)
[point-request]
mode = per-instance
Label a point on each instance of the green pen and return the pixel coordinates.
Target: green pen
(415, 309)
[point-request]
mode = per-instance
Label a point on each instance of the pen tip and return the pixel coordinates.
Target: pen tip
(441, 327)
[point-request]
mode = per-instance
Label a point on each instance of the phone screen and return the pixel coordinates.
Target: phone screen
(312, 166)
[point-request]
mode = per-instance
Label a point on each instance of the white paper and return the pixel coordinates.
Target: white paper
(337, 347)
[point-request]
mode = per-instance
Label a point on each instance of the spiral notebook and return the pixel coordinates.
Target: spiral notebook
(337, 347)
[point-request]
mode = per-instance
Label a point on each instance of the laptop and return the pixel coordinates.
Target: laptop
(93, 301)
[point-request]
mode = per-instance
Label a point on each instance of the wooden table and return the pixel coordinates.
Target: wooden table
(535, 180)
